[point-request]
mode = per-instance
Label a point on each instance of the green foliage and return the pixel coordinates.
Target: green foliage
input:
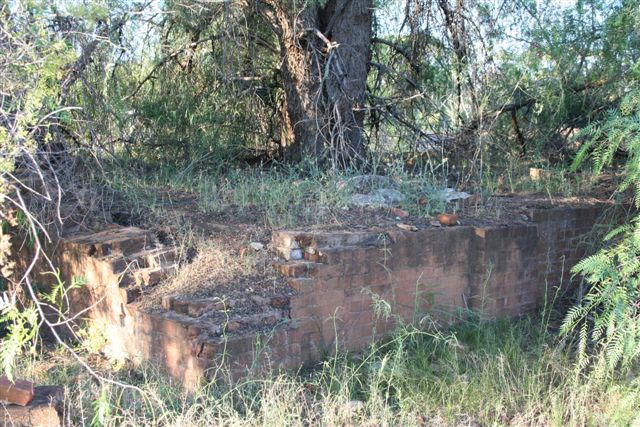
(281, 195)
(20, 321)
(155, 98)
(608, 318)
(35, 60)
(20, 328)
(619, 132)
(610, 307)
(32, 65)
(102, 410)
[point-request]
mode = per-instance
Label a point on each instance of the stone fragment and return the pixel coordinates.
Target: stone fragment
(296, 252)
(363, 200)
(451, 195)
(371, 190)
(397, 212)
(19, 392)
(407, 227)
(256, 246)
(390, 195)
(380, 197)
(365, 184)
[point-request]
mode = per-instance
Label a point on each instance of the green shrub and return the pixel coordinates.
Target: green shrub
(607, 319)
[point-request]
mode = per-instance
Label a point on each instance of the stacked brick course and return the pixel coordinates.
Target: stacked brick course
(351, 288)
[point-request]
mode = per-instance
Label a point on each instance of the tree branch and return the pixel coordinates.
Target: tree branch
(400, 50)
(166, 59)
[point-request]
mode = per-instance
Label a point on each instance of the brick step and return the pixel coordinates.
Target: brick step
(147, 277)
(216, 307)
(338, 255)
(19, 392)
(285, 242)
(45, 409)
(183, 326)
(133, 283)
(120, 240)
(119, 264)
(235, 343)
(296, 268)
(115, 263)
(153, 258)
(238, 324)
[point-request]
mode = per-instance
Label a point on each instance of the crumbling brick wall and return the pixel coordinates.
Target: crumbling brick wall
(499, 271)
(351, 288)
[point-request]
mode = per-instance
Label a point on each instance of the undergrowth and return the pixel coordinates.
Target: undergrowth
(607, 318)
(476, 373)
(275, 196)
(287, 196)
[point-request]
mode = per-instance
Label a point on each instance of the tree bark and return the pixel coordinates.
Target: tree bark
(325, 53)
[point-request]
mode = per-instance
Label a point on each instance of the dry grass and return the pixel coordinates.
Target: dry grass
(223, 266)
(479, 373)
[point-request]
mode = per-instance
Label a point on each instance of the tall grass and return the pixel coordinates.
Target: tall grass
(476, 373)
(279, 196)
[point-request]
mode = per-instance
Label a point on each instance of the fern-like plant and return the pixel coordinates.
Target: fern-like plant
(608, 317)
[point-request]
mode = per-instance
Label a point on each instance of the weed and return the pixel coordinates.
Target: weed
(490, 373)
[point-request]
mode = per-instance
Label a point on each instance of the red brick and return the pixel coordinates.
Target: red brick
(314, 256)
(198, 308)
(240, 346)
(292, 269)
(193, 331)
(168, 326)
(19, 392)
(181, 307)
(279, 302)
(302, 285)
(167, 302)
(209, 349)
(232, 326)
(43, 410)
(332, 300)
(324, 272)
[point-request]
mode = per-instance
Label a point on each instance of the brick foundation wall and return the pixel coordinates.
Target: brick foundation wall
(351, 288)
(499, 271)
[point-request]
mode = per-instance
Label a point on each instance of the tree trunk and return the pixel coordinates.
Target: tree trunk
(325, 54)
